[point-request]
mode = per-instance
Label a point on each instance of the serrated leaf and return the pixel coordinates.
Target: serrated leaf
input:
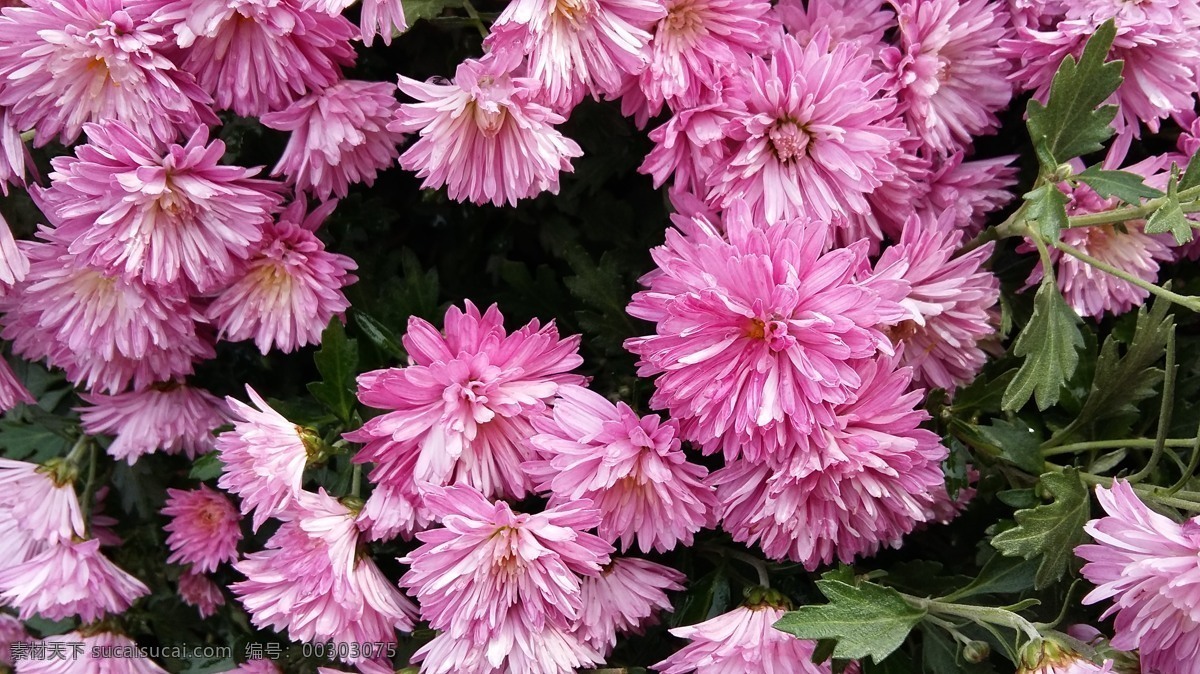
(868, 620)
(1001, 575)
(1124, 185)
(207, 467)
(30, 442)
(380, 335)
(1050, 530)
(1049, 344)
(337, 361)
(415, 10)
(1073, 122)
(1191, 175)
(1016, 442)
(1048, 207)
(1170, 218)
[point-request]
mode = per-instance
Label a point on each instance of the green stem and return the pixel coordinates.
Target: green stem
(1183, 500)
(356, 481)
(27, 136)
(977, 614)
(1164, 412)
(1188, 302)
(78, 449)
(1193, 464)
(89, 490)
(475, 18)
(1136, 443)
(1010, 227)
(1141, 212)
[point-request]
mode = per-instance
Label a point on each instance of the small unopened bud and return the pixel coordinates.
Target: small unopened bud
(976, 652)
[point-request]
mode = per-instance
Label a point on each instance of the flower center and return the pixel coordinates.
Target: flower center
(684, 19)
(902, 331)
(490, 118)
(789, 140)
(574, 11)
(773, 331)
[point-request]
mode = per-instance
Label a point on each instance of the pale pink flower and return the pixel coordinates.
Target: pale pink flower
(339, 136)
(543, 650)
(578, 47)
(862, 24)
(13, 154)
(393, 510)
(11, 631)
(257, 56)
(949, 305)
(264, 458)
(203, 530)
(756, 330)
(972, 189)
(849, 487)
(171, 417)
(688, 146)
(485, 136)
(287, 292)
(257, 666)
(1146, 563)
(101, 653)
(813, 137)
(104, 330)
(950, 79)
(105, 60)
(384, 18)
(100, 523)
(624, 599)
(632, 468)
(461, 412)
(40, 501)
(14, 265)
(199, 591)
(312, 581)
(67, 579)
(12, 391)
(128, 208)
(742, 640)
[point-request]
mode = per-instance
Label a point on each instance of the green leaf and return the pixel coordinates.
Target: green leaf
(337, 361)
(1051, 530)
(1001, 575)
(1126, 186)
(1049, 344)
(1073, 122)
(1016, 442)
(706, 598)
(380, 335)
(1191, 175)
(1048, 206)
(30, 442)
(868, 620)
(415, 10)
(207, 467)
(1170, 218)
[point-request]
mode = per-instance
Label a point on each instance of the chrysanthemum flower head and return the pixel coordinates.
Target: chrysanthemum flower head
(257, 56)
(171, 417)
(812, 136)
(13, 153)
(12, 391)
(1146, 563)
(129, 208)
(203, 529)
(199, 591)
(625, 598)
(93, 645)
(972, 189)
(485, 136)
(103, 58)
(1045, 656)
(756, 330)
(68, 579)
(287, 291)
(862, 24)
(14, 265)
(578, 47)
(384, 18)
(11, 631)
(632, 468)
(339, 136)
(40, 502)
(463, 408)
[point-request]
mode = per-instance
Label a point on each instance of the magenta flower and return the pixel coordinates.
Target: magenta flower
(384, 18)
(287, 292)
(257, 56)
(632, 468)
(624, 599)
(950, 78)
(506, 585)
(172, 417)
(102, 57)
(756, 331)
(104, 330)
(339, 136)
(862, 24)
(848, 488)
(578, 47)
(460, 414)
(264, 458)
(972, 189)
(68, 579)
(484, 136)
(203, 530)
(199, 591)
(40, 504)
(92, 658)
(811, 136)
(742, 640)
(130, 209)
(688, 146)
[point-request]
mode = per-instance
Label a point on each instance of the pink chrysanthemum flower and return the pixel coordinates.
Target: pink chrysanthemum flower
(199, 591)
(1048, 657)
(688, 146)
(257, 56)
(288, 290)
(485, 136)
(949, 304)
(105, 60)
(14, 265)
(101, 653)
(12, 391)
(862, 24)
(814, 137)
(40, 502)
(464, 406)
(172, 417)
(384, 18)
(950, 79)
(742, 640)
(393, 510)
(505, 584)
(578, 47)
(104, 330)
(131, 209)
(632, 468)
(624, 599)
(100, 523)
(851, 486)
(972, 189)
(68, 579)
(11, 631)
(264, 458)
(312, 581)
(1146, 563)
(339, 136)
(13, 153)
(756, 331)
(203, 530)
(257, 666)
